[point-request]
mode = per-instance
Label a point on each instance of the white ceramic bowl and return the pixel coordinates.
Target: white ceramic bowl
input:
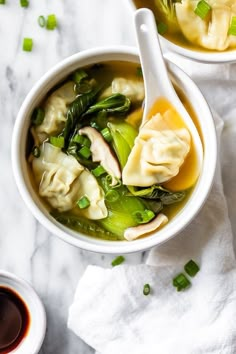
(213, 57)
(54, 76)
(34, 337)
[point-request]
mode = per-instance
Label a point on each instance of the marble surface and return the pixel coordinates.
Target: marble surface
(27, 248)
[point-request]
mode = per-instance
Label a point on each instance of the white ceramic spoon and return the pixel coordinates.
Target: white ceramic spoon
(156, 80)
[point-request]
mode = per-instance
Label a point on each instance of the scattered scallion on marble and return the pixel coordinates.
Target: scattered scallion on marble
(42, 21)
(27, 44)
(117, 261)
(146, 289)
(191, 268)
(51, 23)
(181, 282)
(24, 3)
(2, 2)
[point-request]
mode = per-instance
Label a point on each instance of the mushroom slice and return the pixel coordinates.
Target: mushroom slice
(101, 152)
(132, 233)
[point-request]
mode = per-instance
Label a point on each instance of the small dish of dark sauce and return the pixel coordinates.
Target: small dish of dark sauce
(14, 320)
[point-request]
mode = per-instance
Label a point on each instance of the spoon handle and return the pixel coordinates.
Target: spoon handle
(156, 80)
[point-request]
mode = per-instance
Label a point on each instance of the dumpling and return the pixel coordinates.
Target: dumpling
(55, 111)
(62, 180)
(133, 89)
(157, 154)
(212, 32)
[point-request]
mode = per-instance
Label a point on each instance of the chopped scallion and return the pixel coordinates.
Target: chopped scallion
(146, 289)
(112, 196)
(57, 141)
(139, 71)
(117, 261)
(232, 28)
(42, 21)
(78, 139)
(191, 268)
(143, 216)
(36, 151)
(2, 2)
(98, 171)
(202, 9)
(51, 22)
(85, 152)
(24, 3)
(38, 116)
(27, 44)
(181, 282)
(162, 28)
(83, 202)
(106, 134)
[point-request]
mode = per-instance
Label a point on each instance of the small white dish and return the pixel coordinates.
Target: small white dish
(210, 57)
(35, 333)
(32, 200)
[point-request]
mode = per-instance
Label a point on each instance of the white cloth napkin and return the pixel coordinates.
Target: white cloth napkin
(113, 316)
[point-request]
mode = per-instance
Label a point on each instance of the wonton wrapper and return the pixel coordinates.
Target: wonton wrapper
(133, 89)
(62, 181)
(157, 155)
(212, 32)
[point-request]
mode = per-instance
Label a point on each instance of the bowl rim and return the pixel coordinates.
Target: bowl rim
(35, 307)
(214, 57)
(104, 246)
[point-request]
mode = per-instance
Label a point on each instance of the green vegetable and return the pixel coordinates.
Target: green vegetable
(116, 103)
(24, 3)
(79, 75)
(38, 116)
(191, 268)
(81, 224)
(36, 151)
(202, 9)
(112, 196)
(181, 282)
(83, 202)
(146, 289)
(75, 111)
(106, 134)
(158, 192)
(41, 21)
(167, 13)
(123, 136)
(85, 152)
(98, 171)
(162, 28)
(27, 44)
(2, 2)
(139, 72)
(57, 141)
(117, 261)
(51, 22)
(232, 28)
(144, 216)
(81, 140)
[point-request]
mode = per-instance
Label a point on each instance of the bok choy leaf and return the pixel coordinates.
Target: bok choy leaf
(116, 103)
(166, 8)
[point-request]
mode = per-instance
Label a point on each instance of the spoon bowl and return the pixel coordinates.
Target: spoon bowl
(156, 79)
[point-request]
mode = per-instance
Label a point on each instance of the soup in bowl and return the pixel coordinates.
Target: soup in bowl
(88, 168)
(203, 30)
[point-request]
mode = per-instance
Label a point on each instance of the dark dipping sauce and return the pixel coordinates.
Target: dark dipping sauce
(14, 320)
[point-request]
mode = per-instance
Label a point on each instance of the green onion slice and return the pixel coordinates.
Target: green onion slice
(106, 134)
(27, 44)
(83, 202)
(146, 289)
(117, 261)
(82, 140)
(191, 268)
(143, 216)
(51, 22)
(42, 21)
(98, 171)
(162, 28)
(2, 2)
(112, 196)
(57, 141)
(24, 3)
(202, 9)
(36, 151)
(85, 152)
(139, 72)
(181, 282)
(38, 116)
(232, 28)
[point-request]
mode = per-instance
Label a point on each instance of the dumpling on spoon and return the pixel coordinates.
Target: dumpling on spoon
(158, 153)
